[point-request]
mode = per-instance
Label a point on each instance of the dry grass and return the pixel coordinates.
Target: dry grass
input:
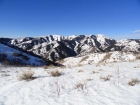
(69, 66)
(100, 70)
(137, 57)
(107, 56)
(107, 78)
(89, 79)
(133, 81)
(79, 65)
(80, 71)
(26, 75)
(55, 73)
(93, 72)
(61, 61)
(57, 89)
(4, 74)
(118, 75)
(84, 58)
(52, 66)
(138, 66)
(81, 86)
(62, 67)
(45, 67)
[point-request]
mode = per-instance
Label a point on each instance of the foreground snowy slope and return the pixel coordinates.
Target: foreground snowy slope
(82, 85)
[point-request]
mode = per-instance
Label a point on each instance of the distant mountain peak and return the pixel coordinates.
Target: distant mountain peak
(102, 36)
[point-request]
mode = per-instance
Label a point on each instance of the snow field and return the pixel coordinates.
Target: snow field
(98, 58)
(63, 90)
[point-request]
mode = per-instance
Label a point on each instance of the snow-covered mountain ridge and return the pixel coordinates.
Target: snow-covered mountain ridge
(56, 47)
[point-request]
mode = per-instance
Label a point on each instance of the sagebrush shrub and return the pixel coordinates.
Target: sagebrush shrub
(55, 73)
(107, 78)
(80, 86)
(26, 75)
(80, 71)
(45, 67)
(133, 81)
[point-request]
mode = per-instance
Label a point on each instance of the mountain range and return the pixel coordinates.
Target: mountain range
(56, 47)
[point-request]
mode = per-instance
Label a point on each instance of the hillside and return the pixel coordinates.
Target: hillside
(109, 84)
(11, 56)
(100, 58)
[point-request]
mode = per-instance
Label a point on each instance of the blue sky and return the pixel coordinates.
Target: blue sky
(32, 18)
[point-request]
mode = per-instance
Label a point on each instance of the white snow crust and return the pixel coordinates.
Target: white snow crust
(43, 90)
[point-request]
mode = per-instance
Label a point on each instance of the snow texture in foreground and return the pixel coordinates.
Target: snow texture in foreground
(48, 90)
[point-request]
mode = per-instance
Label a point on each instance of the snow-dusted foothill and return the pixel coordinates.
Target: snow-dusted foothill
(97, 58)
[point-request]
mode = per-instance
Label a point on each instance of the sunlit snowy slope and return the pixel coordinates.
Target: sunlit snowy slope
(109, 84)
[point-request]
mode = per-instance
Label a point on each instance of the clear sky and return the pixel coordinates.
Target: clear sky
(32, 18)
